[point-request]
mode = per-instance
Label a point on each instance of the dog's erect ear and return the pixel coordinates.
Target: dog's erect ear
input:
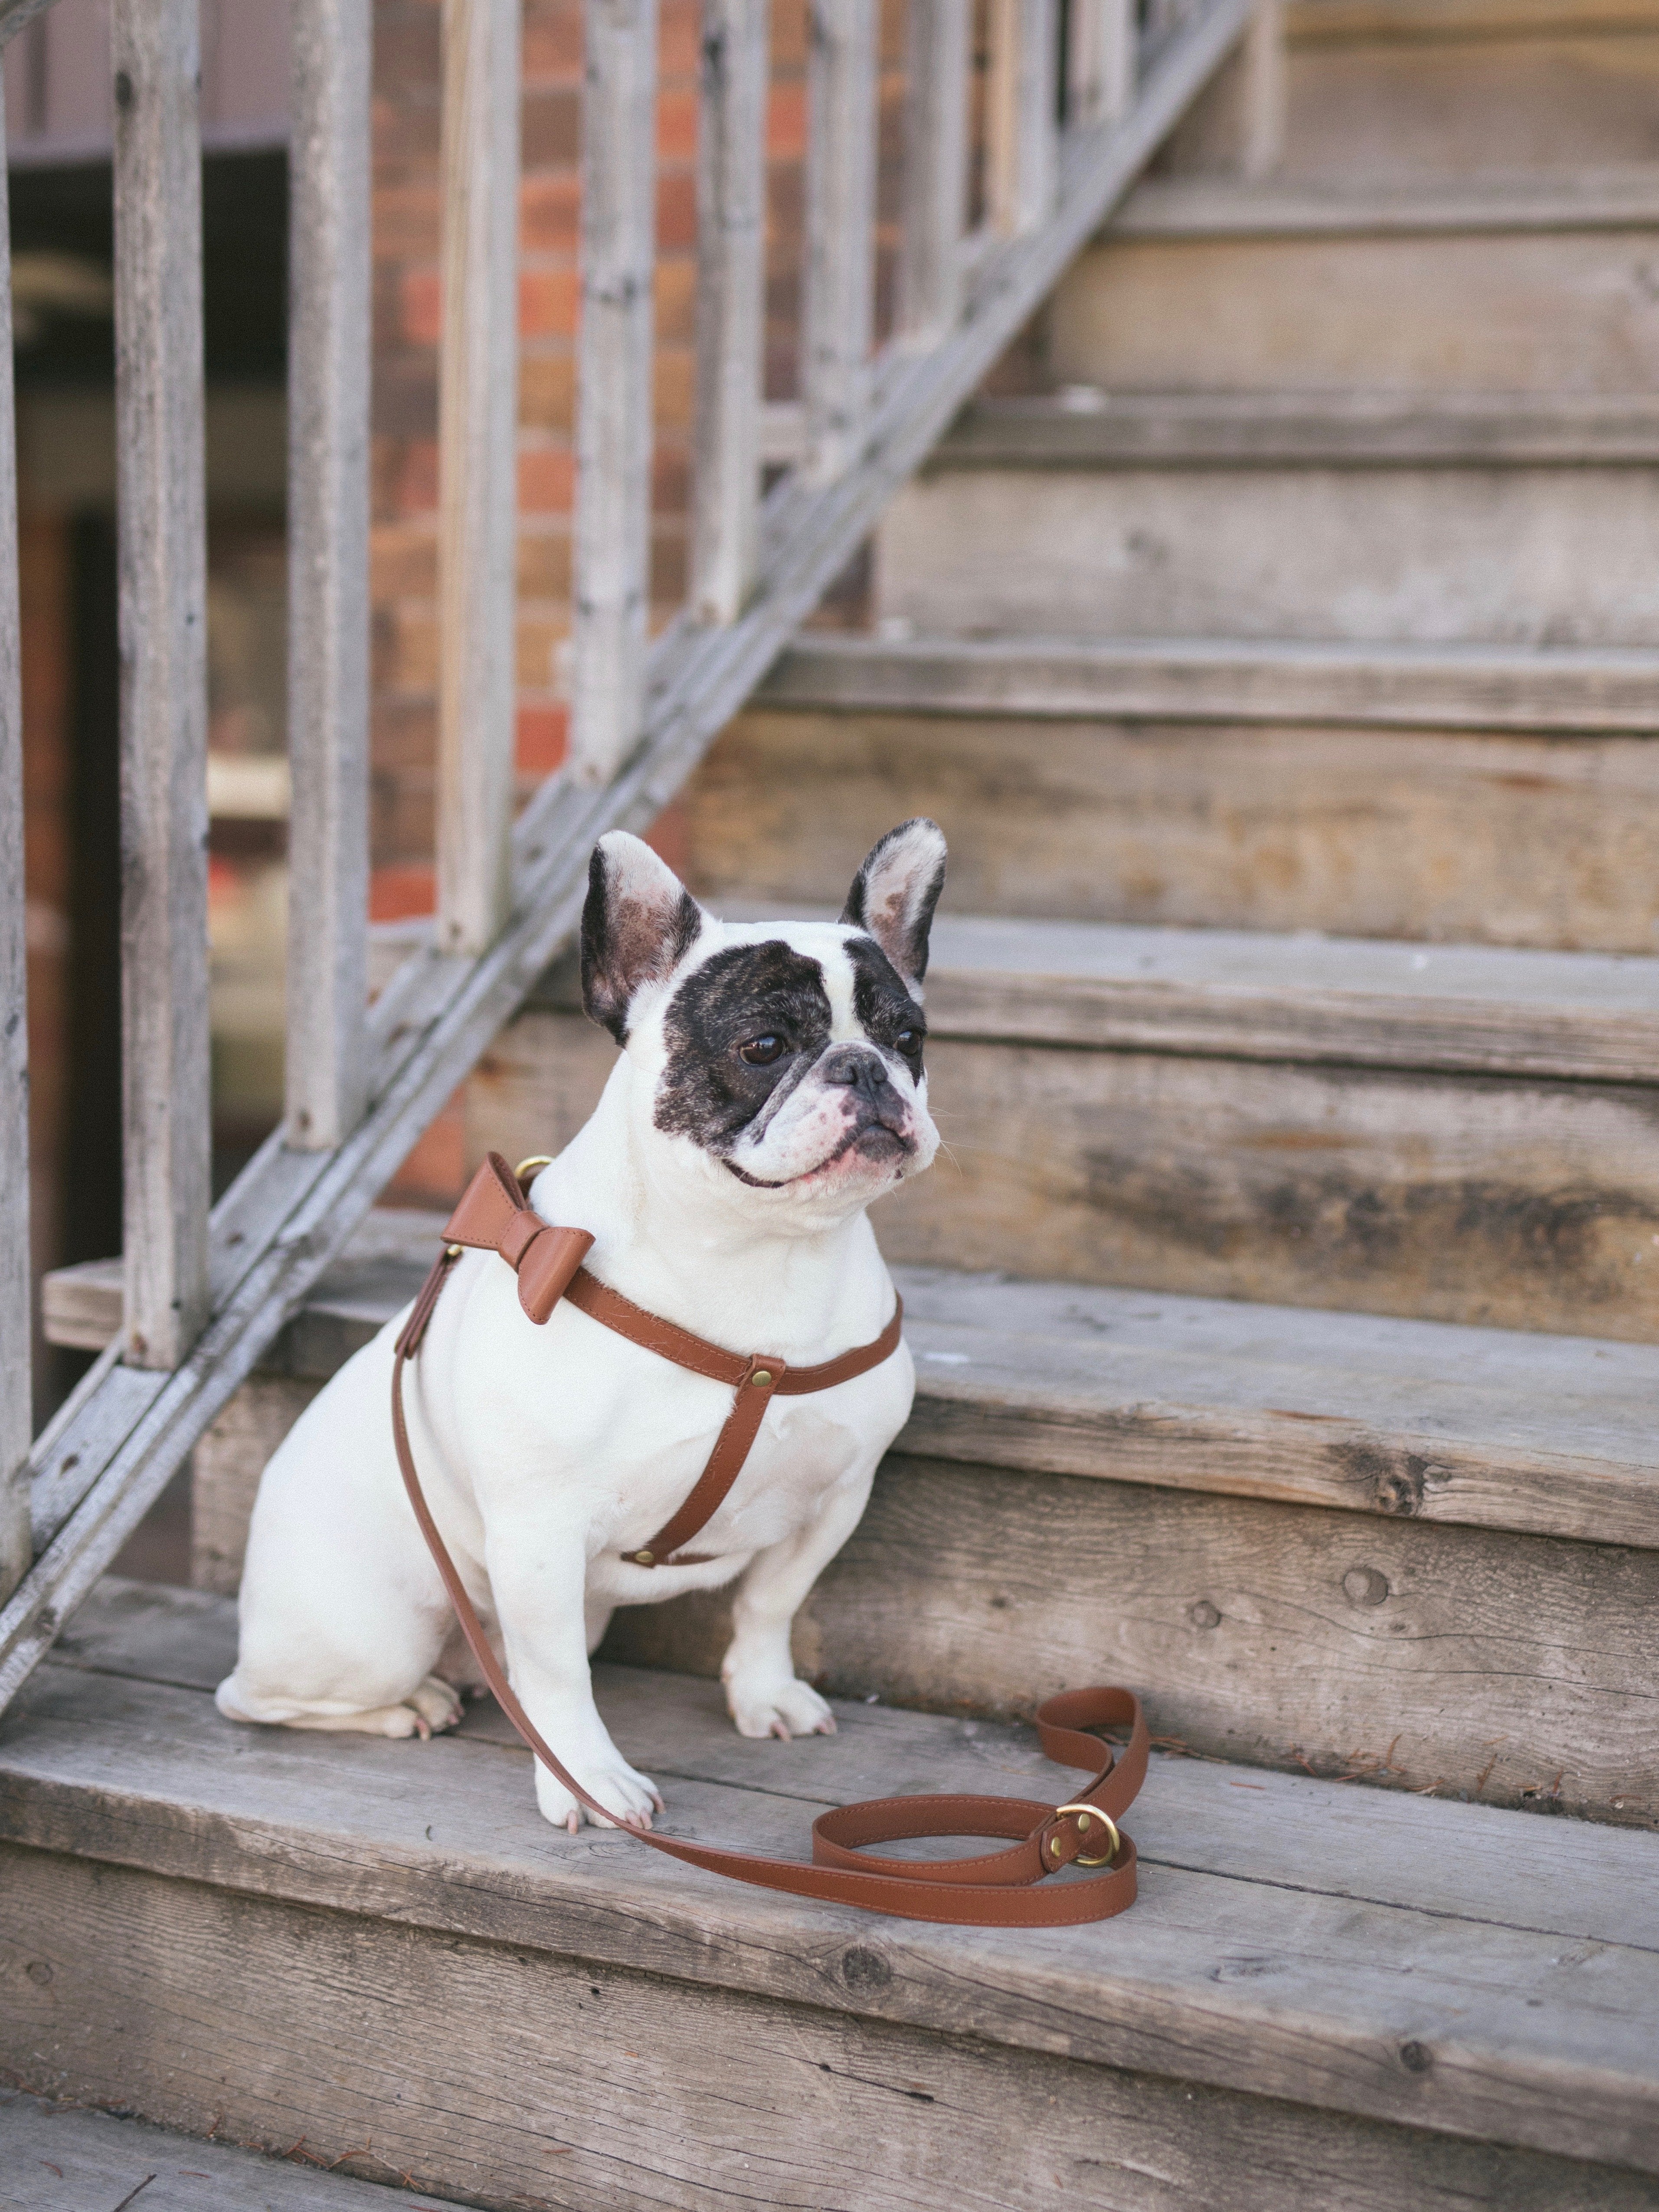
(638, 924)
(894, 892)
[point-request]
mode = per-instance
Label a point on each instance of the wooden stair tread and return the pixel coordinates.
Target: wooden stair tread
(62, 2158)
(1494, 1428)
(1576, 689)
(1261, 995)
(1292, 1938)
(1084, 428)
(1626, 198)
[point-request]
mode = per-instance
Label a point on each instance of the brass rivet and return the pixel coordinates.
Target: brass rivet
(452, 1251)
(762, 1377)
(645, 1559)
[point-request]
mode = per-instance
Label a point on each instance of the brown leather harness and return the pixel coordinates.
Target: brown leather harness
(995, 1889)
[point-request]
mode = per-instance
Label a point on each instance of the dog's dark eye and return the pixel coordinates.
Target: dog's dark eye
(908, 1042)
(762, 1051)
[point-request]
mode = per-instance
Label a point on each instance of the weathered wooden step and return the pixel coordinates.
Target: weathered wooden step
(1087, 427)
(1564, 690)
(1287, 1526)
(1507, 795)
(1520, 554)
(1467, 1134)
(66, 2157)
(1501, 202)
(1480, 84)
(1462, 1135)
(1284, 1120)
(1325, 1994)
(1535, 283)
(1549, 1436)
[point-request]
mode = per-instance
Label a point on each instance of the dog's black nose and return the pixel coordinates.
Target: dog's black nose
(859, 1068)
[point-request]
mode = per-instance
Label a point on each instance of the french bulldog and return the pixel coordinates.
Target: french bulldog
(770, 1084)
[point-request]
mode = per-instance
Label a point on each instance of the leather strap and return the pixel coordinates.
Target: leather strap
(996, 1889)
(494, 1215)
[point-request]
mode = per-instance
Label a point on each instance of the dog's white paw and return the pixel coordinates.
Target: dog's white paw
(630, 1798)
(777, 1705)
(429, 1708)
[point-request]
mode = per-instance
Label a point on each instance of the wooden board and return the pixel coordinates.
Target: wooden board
(1570, 692)
(1407, 304)
(478, 470)
(1454, 106)
(1302, 997)
(162, 514)
(16, 1286)
(1503, 202)
(63, 2158)
(1309, 22)
(1484, 1428)
(325, 1058)
(1546, 1435)
(550, 2087)
(1255, 995)
(1219, 823)
(1589, 1883)
(1517, 1670)
(1086, 427)
(1543, 1436)
(1511, 1204)
(1518, 556)
(1283, 1978)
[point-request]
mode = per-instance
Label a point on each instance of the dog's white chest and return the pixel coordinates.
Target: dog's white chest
(571, 1430)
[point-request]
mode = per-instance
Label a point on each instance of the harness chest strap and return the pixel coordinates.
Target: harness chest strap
(995, 1889)
(494, 1216)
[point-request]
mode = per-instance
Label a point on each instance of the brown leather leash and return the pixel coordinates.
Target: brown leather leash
(996, 1889)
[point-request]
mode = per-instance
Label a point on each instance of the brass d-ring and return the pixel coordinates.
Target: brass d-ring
(1085, 1814)
(525, 1168)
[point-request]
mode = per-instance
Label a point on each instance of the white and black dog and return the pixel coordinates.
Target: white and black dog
(770, 1085)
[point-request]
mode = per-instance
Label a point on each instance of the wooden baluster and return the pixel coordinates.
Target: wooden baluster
(327, 1064)
(477, 461)
(841, 207)
(731, 305)
(16, 1425)
(162, 539)
(1261, 66)
(1022, 164)
(1100, 60)
(935, 169)
(613, 392)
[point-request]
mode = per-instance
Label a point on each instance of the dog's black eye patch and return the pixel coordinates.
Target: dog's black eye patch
(887, 1013)
(749, 996)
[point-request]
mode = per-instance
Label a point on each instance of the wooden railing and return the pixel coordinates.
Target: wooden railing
(206, 1294)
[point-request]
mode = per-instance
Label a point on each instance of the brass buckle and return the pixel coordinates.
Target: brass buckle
(1085, 1814)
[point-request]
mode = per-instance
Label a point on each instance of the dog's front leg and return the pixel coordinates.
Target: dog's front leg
(538, 1577)
(763, 1691)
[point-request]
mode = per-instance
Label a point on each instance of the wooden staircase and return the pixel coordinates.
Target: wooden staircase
(1287, 1320)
